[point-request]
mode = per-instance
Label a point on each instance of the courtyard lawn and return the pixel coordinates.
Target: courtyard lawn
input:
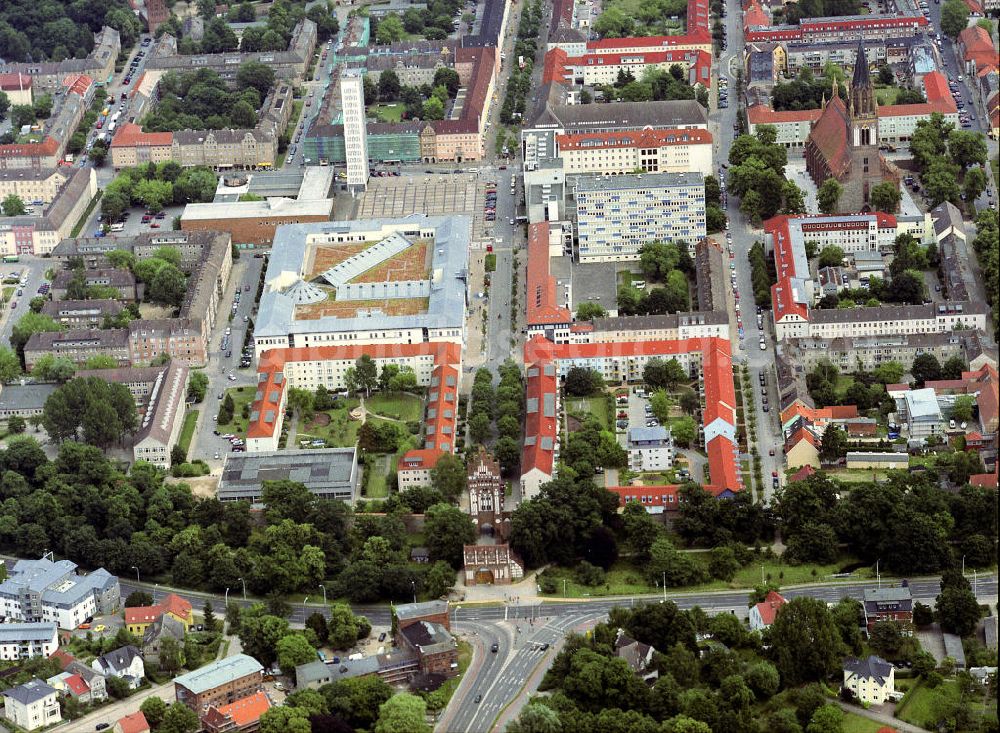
(334, 426)
(886, 95)
(580, 407)
(625, 579)
(187, 431)
(396, 405)
(241, 396)
(389, 112)
(921, 702)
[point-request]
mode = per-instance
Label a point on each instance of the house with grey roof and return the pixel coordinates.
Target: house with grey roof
(889, 603)
(166, 626)
(23, 641)
(872, 680)
(161, 423)
(650, 448)
(31, 705)
(220, 682)
(44, 590)
(24, 400)
(637, 655)
(125, 663)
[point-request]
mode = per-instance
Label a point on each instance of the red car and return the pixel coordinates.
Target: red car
(154, 225)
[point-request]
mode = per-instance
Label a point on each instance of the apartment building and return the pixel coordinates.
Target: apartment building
(183, 339)
(31, 705)
(414, 468)
(131, 146)
(81, 313)
(121, 280)
(617, 215)
(78, 345)
(163, 418)
(16, 86)
(33, 186)
(603, 67)
(47, 591)
(868, 352)
(27, 640)
(652, 151)
(38, 233)
(667, 327)
(47, 76)
(219, 683)
(547, 306)
(650, 449)
(852, 28)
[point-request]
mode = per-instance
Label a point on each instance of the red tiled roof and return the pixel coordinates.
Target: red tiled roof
(829, 135)
(784, 298)
(419, 459)
(176, 605)
(542, 306)
(77, 685)
(148, 614)
(14, 82)
(63, 657)
(722, 466)
(761, 114)
(134, 723)
(974, 6)
(799, 435)
(242, 712)
(442, 408)
(755, 16)
(131, 135)
(540, 430)
(986, 480)
(803, 473)
(47, 148)
(78, 84)
(633, 139)
(768, 608)
(554, 66)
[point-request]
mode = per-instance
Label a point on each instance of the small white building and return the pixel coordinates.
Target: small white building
(763, 614)
(23, 641)
(650, 449)
(872, 680)
(125, 663)
(31, 705)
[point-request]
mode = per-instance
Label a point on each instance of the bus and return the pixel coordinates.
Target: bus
(9, 259)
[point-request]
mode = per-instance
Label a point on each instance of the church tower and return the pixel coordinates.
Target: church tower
(861, 105)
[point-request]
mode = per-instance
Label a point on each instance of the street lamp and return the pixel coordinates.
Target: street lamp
(227, 597)
(136, 573)
(413, 586)
(244, 588)
(324, 593)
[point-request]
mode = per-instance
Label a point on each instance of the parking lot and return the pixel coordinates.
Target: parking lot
(431, 194)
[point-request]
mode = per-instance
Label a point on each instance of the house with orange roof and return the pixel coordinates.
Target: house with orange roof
(541, 427)
(763, 614)
(977, 49)
(239, 716)
(134, 723)
(414, 468)
(17, 87)
(802, 449)
(139, 618)
(130, 146)
(546, 310)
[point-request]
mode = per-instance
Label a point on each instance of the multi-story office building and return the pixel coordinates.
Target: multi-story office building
(652, 151)
(617, 215)
(352, 95)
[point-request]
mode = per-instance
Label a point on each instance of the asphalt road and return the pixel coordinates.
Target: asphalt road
(35, 268)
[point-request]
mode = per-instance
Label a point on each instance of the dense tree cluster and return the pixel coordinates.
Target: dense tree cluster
(987, 246)
(32, 30)
(156, 186)
(655, 85)
(515, 99)
(950, 161)
(99, 412)
(762, 275)
(668, 264)
(905, 522)
(201, 99)
(427, 101)
(435, 22)
(757, 176)
(505, 405)
(821, 9)
(650, 18)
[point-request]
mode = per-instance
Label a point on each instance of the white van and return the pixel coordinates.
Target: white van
(118, 226)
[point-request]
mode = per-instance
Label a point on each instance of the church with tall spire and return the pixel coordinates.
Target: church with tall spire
(843, 143)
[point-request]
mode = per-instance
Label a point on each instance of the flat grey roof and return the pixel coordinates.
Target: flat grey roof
(327, 472)
(219, 673)
(27, 632)
(25, 397)
(639, 180)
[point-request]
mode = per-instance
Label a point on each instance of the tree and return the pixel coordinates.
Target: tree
(433, 109)
(831, 256)
(16, 424)
(925, 368)
(449, 477)
(583, 382)
(954, 17)
(178, 718)
(587, 311)
(684, 431)
(439, 579)
(197, 385)
(828, 719)
(390, 30)
(659, 374)
(834, 444)
(961, 411)
(667, 565)
(13, 205)
(208, 617)
(403, 712)
(153, 708)
(975, 183)
(763, 679)
(168, 286)
(343, 628)
(285, 719)
(366, 374)
(293, 650)
(956, 607)
(967, 148)
(138, 598)
(171, 657)
(21, 115)
(940, 181)
(828, 195)
(255, 75)
(447, 528)
(536, 718)
(805, 641)
(10, 367)
(4, 105)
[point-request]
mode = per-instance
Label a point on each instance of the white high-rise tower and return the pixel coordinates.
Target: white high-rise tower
(352, 95)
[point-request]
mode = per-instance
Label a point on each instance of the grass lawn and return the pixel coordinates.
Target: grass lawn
(398, 405)
(886, 95)
(389, 112)
(241, 396)
(855, 475)
(7, 292)
(334, 426)
(625, 579)
(919, 705)
(857, 724)
(580, 407)
(187, 431)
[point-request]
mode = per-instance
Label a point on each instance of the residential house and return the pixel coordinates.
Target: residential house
(166, 626)
(871, 680)
(71, 684)
(433, 611)
(134, 723)
(95, 681)
(139, 618)
(650, 449)
(892, 603)
(414, 468)
(23, 641)
(219, 683)
(125, 663)
(239, 716)
(31, 705)
(802, 449)
(24, 400)
(637, 655)
(763, 614)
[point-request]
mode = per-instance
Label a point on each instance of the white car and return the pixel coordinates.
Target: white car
(763, 346)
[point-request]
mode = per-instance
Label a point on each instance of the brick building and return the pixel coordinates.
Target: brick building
(491, 565)
(219, 683)
(434, 646)
(487, 494)
(431, 611)
(889, 604)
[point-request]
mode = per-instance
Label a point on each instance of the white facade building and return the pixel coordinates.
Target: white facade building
(650, 449)
(46, 591)
(617, 215)
(352, 95)
(23, 641)
(871, 680)
(31, 705)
